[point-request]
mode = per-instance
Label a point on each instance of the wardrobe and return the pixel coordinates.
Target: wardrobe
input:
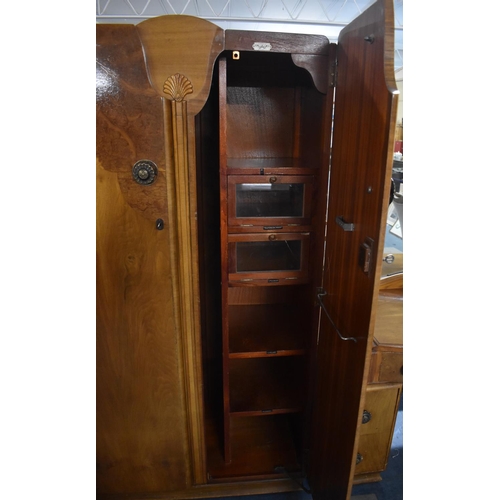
(243, 181)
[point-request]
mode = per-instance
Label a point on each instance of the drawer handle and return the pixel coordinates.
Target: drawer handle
(359, 458)
(367, 416)
(389, 258)
(272, 237)
(273, 179)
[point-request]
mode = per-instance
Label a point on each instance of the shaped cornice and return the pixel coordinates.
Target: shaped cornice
(180, 53)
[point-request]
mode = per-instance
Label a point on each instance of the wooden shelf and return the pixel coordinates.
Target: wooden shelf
(265, 330)
(263, 386)
(268, 166)
(259, 445)
(263, 163)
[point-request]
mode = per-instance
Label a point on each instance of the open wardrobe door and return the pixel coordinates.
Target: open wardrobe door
(363, 137)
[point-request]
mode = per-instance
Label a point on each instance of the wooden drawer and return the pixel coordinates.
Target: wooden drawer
(375, 438)
(391, 367)
(386, 367)
(387, 354)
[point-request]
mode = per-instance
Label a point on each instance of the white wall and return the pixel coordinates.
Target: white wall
(321, 17)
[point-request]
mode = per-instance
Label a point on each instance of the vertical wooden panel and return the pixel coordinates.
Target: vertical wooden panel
(142, 443)
(365, 108)
(141, 439)
(180, 53)
(152, 80)
(183, 247)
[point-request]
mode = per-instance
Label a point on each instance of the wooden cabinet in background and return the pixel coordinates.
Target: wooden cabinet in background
(239, 244)
(385, 383)
(380, 411)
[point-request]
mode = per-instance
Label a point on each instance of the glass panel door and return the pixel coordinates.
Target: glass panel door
(277, 257)
(269, 200)
(259, 256)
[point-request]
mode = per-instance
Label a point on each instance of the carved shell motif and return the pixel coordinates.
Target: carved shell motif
(177, 87)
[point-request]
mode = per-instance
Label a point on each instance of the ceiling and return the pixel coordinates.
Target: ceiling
(322, 17)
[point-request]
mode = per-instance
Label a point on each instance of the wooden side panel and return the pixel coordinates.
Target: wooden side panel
(365, 107)
(142, 443)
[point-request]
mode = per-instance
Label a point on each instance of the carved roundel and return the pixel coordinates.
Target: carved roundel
(144, 172)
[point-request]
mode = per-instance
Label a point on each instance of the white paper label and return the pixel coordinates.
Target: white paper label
(261, 46)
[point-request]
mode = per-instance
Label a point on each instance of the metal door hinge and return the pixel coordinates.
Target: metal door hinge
(332, 81)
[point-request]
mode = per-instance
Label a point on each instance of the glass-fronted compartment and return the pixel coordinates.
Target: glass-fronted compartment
(276, 201)
(276, 258)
